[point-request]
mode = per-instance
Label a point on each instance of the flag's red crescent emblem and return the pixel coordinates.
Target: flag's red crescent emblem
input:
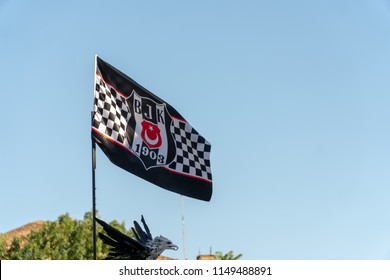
(151, 134)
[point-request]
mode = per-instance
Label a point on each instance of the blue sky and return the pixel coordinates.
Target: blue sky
(293, 96)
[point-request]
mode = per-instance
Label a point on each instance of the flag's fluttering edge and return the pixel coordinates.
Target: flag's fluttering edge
(144, 135)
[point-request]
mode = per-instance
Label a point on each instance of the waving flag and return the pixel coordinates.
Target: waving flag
(144, 135)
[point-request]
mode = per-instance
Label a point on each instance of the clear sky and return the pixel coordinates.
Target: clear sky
(293, 96)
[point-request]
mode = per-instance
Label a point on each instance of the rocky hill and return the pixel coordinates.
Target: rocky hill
(22, 231)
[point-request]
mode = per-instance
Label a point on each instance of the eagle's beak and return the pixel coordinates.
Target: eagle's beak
(173, 247)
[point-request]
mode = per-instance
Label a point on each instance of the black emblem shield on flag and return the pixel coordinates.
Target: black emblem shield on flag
(146, 136)
(152, 140)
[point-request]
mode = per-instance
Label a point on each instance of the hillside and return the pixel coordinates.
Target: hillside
(22, 231)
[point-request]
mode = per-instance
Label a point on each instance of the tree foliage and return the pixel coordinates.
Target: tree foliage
(228, 256)
(63, 239)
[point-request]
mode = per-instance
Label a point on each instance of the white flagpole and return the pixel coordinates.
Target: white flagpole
(184, 228)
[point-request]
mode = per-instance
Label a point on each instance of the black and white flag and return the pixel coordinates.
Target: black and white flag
(144, 135)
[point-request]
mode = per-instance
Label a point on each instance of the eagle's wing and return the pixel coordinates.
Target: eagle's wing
(123, 246)
(142, 236)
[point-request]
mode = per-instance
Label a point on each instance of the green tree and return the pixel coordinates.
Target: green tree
(3, 246)
(228, 256)
(63, 239)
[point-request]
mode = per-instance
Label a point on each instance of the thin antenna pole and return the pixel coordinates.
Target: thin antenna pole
(184, 229)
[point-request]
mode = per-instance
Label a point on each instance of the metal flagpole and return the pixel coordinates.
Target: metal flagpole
(93, 196)
(93, 173)
(184, 228)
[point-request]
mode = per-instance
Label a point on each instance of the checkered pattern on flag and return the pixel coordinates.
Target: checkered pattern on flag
(144, 135)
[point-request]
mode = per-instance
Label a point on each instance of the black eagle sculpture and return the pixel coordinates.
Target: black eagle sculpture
(143, 247)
